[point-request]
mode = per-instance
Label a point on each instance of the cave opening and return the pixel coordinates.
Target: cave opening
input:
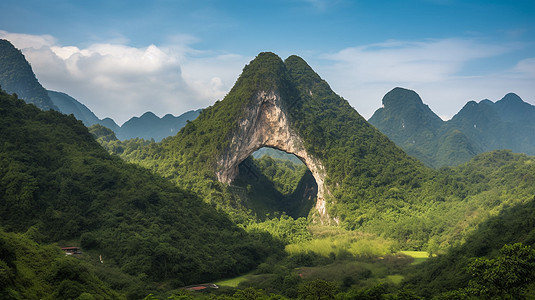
(272, 182)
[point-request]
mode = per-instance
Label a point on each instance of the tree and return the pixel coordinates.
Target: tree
(249, 294)
(505, 276)
(317, 290)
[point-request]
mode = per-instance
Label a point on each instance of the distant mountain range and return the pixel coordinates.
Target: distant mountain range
(16, 76)
(148, 126)
(404, 118)
(478, 127)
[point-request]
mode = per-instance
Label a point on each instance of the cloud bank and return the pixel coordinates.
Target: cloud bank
(122, 81)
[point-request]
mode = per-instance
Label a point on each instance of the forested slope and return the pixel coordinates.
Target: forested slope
(476, 128)
(56, 179)
(451, 272)
(373, 185)
(29, 270)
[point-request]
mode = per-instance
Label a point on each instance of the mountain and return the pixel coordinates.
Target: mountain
(403, 112)
(68, 105)
(283, 105)
(507, 124)
(407, 121)
(58, 182)
(476, 128)
(149, 126)
(276, 154)
(512, 108)
(16, 76)
(363, 181)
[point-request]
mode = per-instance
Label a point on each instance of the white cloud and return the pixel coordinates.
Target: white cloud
(215, 75)
(121, 81)
(437, 69)
(526, 67)
(27, 40)
(422, 61)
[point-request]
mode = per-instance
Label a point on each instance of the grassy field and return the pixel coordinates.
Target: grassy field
(344, 257)
(419, 256)
(234, 282)
(336, 242)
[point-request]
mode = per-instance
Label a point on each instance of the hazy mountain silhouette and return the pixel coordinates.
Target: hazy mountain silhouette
(477, 127)
(16, 76)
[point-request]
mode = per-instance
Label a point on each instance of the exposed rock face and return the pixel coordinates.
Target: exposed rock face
(266, 124)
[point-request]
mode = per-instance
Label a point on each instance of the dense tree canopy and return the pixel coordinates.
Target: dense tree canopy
(372, 184)
(55, 178)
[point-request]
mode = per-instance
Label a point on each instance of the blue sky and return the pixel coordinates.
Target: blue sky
(122, 58)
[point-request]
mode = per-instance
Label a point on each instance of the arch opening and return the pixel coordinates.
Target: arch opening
(272, 182)
(266, 124)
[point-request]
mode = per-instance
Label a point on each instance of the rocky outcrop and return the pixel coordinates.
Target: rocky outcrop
(266, 124)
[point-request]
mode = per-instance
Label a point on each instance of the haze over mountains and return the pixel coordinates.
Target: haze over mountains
(478, 127)
(404, 118)
(16, 76)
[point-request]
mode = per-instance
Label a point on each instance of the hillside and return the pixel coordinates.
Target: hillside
(450, 271)
(478, 127)
(16, 76)
(283, 105)
(29, 270)
(364, 182)
(68, 105)
(57, 180)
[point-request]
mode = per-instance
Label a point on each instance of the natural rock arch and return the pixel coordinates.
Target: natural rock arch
(266, 124)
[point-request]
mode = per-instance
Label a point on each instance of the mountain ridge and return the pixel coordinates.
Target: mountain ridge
(478, 127)
(16, 76)
(284, 105)
(147, 126)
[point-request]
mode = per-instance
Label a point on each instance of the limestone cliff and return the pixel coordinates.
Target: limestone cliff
(266, 124)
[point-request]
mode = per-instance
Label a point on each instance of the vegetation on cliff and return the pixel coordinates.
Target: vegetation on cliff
(373, 186)
(58, 185)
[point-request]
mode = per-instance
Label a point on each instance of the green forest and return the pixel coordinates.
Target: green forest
(374, 186)
(152, 220)
(60, 186)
